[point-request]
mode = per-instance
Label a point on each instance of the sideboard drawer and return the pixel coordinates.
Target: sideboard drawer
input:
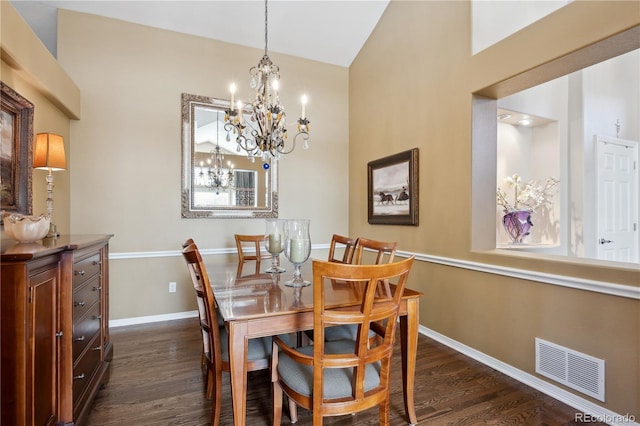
(85, 368)
(85, 268)
(85, 296)
(85, 329)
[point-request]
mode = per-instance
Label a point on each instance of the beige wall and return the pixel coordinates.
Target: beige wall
(125, 176)
(417, 75)
(29, 69)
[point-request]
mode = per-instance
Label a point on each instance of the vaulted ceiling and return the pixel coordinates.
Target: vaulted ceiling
(324, 30)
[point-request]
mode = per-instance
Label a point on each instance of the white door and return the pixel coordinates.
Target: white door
(617, 198)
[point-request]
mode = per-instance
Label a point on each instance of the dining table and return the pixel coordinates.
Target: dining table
(254, 304)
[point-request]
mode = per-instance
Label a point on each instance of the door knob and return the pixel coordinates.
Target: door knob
(603, 241)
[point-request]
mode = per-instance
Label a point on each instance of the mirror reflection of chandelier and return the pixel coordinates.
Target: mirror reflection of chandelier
(263, 134)
(217, 177)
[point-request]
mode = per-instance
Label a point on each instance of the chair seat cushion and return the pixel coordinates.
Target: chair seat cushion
(220, 319)
(337, 381)
(259, 348)
(343, 332)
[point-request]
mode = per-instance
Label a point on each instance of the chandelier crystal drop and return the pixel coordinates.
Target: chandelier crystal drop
(263, 134)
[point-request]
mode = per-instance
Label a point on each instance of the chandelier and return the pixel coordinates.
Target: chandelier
(216, 177)
(263, 134)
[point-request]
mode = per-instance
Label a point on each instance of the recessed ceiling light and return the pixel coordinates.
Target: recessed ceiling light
(504, 116)
(526, 121)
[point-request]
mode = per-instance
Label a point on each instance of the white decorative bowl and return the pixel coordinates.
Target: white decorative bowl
(24, 228)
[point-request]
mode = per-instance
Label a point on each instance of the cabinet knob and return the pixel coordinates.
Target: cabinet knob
(79, 339)
(97, 288)
(59, 334)
(97, 317)
(97, 348)
(80, 303)
(97, 262)
(79, 377)
(80, 272)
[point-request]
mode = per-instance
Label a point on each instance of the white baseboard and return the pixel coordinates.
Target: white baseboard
(152, 318)
(596, 412)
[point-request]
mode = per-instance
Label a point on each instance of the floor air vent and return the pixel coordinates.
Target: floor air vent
(576, 370)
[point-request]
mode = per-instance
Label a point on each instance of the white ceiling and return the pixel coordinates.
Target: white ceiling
(328, 31)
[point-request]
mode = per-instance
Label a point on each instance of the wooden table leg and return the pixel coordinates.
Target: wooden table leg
(409, 348)
(238, 347)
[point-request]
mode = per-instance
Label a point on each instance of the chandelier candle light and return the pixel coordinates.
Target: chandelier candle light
(263, 134)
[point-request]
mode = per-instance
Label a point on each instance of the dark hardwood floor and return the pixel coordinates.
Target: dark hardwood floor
(156, 380)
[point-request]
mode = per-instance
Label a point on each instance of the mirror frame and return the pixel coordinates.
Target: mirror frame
(189, 210)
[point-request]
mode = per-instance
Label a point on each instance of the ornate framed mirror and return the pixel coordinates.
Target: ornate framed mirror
(218, 181)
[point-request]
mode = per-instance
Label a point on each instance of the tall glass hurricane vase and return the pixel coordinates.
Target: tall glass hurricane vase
(275, 239)
(297, 248)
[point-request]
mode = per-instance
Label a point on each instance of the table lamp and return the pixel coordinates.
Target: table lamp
(49, 155)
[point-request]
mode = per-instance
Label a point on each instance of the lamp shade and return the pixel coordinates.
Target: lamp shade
(49, 152)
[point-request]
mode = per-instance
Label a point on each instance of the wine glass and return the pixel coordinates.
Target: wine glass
(297, 248)
(275, 236)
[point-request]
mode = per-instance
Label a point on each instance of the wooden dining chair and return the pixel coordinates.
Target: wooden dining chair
(342, 244)
(384, 253)
(346, 246)
(343, 376)
(202, 315)
(215, 338)
(251, 244)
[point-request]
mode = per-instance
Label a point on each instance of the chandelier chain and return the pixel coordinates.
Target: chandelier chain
(266, 33)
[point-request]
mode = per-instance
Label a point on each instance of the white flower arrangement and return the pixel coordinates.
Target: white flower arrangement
(532, 196)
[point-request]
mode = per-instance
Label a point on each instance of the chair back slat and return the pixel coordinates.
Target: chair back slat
(346, 245)
(384, 251)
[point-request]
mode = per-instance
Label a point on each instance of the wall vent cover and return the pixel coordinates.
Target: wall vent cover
(576, 370)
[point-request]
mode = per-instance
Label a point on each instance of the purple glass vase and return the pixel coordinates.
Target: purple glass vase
(517, 223)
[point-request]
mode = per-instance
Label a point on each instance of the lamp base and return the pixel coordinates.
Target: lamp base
(53, 231)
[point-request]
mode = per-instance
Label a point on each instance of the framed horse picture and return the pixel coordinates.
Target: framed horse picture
(16, 137)
(393, 189)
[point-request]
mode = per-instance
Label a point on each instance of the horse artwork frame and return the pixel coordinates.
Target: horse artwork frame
(393, 189)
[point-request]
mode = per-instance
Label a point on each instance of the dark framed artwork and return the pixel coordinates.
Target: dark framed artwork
(16, 151)
(393, 189)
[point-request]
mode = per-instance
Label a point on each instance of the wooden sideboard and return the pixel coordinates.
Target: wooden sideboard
(54, 329)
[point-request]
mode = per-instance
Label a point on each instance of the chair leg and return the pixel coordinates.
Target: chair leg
(293, 411)
(277, 404)
(317, 418)
(384, 412)
(210, 383)
(216, 403)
